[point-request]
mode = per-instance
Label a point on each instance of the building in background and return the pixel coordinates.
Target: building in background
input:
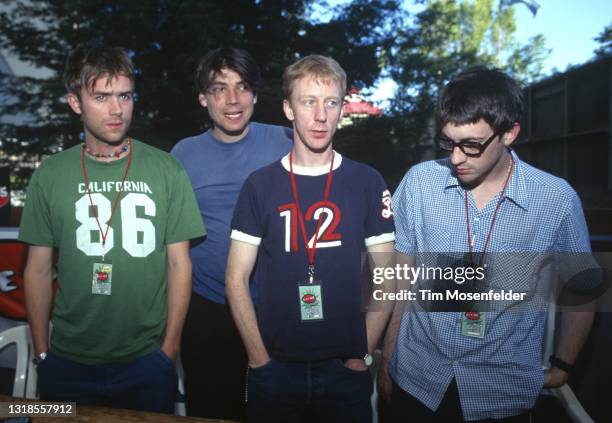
(357, 107)
(567, 132)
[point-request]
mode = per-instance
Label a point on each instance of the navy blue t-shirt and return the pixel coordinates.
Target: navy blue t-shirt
(357, 215)
(217, 171)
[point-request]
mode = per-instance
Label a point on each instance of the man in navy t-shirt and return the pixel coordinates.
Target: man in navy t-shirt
(217, 162)
(307, 219)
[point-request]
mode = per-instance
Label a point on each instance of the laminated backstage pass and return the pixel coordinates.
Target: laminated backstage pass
(473, 324)
(102, 278)
(310, 298)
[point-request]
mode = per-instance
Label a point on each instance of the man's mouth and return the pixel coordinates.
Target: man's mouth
(233, 115)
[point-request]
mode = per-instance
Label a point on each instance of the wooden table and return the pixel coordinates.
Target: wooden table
(91, 413)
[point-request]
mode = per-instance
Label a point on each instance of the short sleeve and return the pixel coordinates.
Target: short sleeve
(403, 207)
(578, 268)
(246, 222)
(184, 218)
(36, 228)
(573, 235)
(379, 224)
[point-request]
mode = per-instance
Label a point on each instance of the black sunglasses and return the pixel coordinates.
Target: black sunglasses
(469, 148)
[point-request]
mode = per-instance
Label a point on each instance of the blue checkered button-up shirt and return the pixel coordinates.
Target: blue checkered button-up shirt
(501, 374)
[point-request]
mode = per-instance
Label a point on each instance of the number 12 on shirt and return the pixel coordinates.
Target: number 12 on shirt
(326, 237)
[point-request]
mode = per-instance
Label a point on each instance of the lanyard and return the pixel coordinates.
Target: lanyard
(310, 251)
(467, 216)
(104, 233)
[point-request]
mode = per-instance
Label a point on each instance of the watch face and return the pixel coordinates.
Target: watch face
(368, 360)
(36, 360)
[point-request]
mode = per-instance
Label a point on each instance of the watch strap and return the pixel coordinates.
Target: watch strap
(563, 365)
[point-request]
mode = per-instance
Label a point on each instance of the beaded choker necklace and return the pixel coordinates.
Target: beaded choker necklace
(124, 148)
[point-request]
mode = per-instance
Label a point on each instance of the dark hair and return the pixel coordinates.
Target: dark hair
(238, 60)
(481, 93)
(86, 64)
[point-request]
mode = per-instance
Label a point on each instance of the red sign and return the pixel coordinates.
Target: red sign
(13, 257)
(12, 262)
(5, 196)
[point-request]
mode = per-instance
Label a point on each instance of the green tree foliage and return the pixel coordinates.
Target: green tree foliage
(448, 36)
(605, 41)
(432, 45)
(420, 51)
(166, 38)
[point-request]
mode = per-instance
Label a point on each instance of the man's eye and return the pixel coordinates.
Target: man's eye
(471, 146)
(100, 98)
(243, 87)
(332, 104)
(308, 103)
(217, 90)
(125, 97)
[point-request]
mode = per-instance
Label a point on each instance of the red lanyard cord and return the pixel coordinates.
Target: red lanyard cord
(104, 233)
(310, 251)
(467, 217)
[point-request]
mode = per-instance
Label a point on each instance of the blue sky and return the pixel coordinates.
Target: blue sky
(568, 25)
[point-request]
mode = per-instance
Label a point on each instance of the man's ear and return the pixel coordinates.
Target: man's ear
(509, 136)
(202, 100)
(74, 103)
(288, 110)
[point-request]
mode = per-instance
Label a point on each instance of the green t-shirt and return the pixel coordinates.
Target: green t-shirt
(157, 207)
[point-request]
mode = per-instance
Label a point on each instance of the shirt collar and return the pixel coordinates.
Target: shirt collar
(517, 187)
(312, 171)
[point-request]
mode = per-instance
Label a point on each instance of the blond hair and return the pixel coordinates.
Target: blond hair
(319, 67)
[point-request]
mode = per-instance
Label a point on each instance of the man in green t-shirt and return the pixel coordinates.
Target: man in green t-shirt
(121, 214)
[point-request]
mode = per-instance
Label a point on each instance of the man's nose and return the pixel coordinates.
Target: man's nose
(231, 96)
(115, 107)
(320, 113)
(457, 156)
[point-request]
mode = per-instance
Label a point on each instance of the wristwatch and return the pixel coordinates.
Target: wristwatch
(563, 365)
(39, 358)
(368, 360)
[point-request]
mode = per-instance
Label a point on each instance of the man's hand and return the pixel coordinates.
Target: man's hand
(555, 377)
(240, 263)
(384, 383)
(170, 351)
(38, 289)
(5, 281)
(356, 364)
(259, 363)
(179, 294)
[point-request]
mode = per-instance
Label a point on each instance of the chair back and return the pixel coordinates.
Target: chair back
(572, 406)
(26, 378)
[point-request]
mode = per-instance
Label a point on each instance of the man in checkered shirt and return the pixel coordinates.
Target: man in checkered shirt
(466, 364)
